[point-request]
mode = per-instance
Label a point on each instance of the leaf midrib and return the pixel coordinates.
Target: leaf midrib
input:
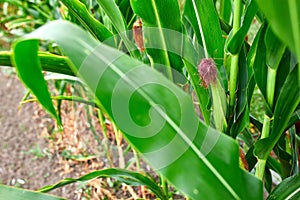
(172, 124)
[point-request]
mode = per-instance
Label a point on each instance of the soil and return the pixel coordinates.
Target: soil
(23, 158)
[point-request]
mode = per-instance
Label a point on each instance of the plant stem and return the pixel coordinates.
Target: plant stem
(238, 7)
(165, 186)
(271, 77)
(233, 81)
(260, 170)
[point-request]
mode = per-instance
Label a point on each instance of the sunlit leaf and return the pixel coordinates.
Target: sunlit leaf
(32, 77)
(49, 62)
(7, 193)
(289, 188)
(155, 115)
(125, 176)
(284, 18)
(162, 15)
(205, 21)
(79, 10)
(117, 20)
(236, 41)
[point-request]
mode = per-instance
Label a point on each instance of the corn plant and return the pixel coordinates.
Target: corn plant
(152, 64)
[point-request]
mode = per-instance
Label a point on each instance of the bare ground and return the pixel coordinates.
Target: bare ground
(24, 158)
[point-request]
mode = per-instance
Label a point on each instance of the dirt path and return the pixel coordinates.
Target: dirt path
(24, 161)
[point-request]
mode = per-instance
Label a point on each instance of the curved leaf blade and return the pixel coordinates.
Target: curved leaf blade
(111, 9)
(284, 18)
(287, 102)
(162, 15)
(157, 118)
(49, 62)
(225, 10)
(32, 77)
(205, 21)
(275, 49)
(97, 29)
(236, 41)
(7, 192)
(289, 188)
(125, 176)
(113, 12)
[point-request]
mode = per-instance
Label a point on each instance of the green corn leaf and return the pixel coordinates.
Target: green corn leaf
(155, 116)
(289, 188)
(268, 180)
(241, 116)
(5, 58)
(265, 61)
(66, 98)
(79, 10)
(275, 49)
(49, 62)
(294, 147)
(19, 22)
(287, 102)
(158, 13)
(283, 70)
(125, 176)
(284, 18)
(294, 118)
(205, 21)
(126, 11)
(32, 77)
(162, 15)
(277, 63)
(225, 10)
(191, 57)
(235, 42)
(202, 93)
(117, 19)
(257, 61)
(111, 9)
(9, 193)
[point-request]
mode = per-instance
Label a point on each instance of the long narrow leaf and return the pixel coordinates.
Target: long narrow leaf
(236, 41)
(97, 29)
(49, 62)
(32, 77)
(128, 177)
(113, 12)
(288, 101)
(117, 19)
(205, 21)
(284, 18)
(12, 193)
(225, 10)
(288, 189)
(162, 15)
(156, 117)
